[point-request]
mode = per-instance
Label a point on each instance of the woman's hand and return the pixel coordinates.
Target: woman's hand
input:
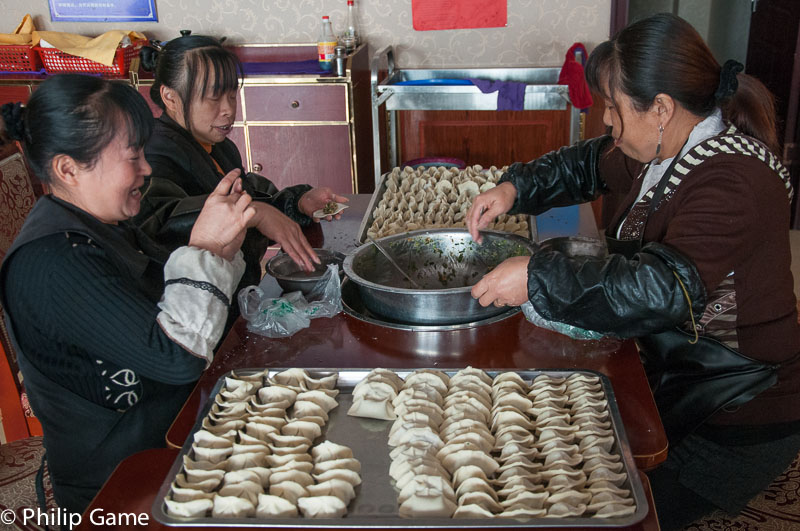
(505, 285)
(276, 226)
(316, 199)
(222, 223)
(487, 206)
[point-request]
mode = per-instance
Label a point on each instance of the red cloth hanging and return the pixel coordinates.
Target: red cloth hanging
(572, 76)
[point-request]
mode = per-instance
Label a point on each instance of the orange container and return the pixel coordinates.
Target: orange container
(19, 58)
(57, 62)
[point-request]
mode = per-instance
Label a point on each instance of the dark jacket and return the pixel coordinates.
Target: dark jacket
(102, 377)
(721, 233)
(183, 176)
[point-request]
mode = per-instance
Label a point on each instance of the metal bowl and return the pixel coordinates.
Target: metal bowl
(445, 263)
(577, 246)
(291, 277)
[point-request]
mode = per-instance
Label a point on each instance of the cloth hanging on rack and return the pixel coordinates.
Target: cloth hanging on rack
(510, 94)
(572, 75)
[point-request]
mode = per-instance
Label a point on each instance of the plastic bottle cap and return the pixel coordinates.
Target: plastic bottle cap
(325, 18)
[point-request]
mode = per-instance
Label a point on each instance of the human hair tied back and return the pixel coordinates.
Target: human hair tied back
(77, 115)
(664, 54)
(13, 120)
(193, 66)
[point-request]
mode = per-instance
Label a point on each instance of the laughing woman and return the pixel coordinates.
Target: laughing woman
(196, 82)
(111, 330)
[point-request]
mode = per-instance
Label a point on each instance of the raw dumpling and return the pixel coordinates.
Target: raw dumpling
(288, 490)
(232, 507)
(333, 487)
(270, 506)
(327, 450)
(322, 507)
(248, 490)
(189, 509)
(373, 406)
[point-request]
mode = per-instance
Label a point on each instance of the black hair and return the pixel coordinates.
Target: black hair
(665, 54)
(186, 64)
(79, 116)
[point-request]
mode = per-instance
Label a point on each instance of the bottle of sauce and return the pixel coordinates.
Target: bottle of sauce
(352, 35)
(326, 45)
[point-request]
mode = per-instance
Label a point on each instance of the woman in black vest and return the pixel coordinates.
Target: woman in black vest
(111, 330)
(196, 83)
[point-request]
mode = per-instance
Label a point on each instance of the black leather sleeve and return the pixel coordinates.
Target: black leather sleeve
(565, 177)
(625, 298)
(262, 189)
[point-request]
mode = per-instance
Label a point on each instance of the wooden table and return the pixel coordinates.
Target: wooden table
(347, 342)
(132, 488)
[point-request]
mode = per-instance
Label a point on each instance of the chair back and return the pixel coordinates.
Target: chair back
(18, 193)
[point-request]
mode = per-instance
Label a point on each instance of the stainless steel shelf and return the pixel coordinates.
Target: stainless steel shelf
(542, 93)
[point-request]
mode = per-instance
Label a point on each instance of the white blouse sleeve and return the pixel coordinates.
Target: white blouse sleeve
(198, 289)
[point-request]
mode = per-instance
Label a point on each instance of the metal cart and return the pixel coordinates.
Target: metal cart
(542, 93)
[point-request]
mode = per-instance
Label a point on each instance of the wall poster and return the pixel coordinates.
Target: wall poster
(103, 10)
(458, 14)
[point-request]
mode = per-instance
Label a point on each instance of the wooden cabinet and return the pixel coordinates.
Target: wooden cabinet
(291, 128)
(482, 137)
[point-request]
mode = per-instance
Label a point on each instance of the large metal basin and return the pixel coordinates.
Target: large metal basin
(446, 263)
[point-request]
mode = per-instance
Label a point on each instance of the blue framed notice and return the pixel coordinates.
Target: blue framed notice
(103, 10)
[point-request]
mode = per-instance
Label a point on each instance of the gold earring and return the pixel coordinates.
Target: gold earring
(660, 134)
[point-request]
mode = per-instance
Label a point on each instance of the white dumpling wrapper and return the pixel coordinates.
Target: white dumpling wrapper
(322, 507)
(189, 509)
(232, 507)
(270, 506)
(373, 407)
(327, 450)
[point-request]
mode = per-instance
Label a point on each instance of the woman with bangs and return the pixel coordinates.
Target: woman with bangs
(111, 330)
(196, 82)
(696, 209)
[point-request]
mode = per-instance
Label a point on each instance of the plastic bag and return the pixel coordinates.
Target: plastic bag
(562, 328)
(283, 316)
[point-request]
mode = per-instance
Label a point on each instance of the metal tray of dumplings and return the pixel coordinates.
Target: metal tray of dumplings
(366, 221)
(375, 504)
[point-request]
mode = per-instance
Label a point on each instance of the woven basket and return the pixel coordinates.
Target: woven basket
(19, 58)
(57, 62)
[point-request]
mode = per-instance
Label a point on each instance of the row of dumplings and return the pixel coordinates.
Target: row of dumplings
(468, 446)
(255, 454)
(436, 198)
(575, 443)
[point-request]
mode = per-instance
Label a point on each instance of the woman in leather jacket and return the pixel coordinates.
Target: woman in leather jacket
(696, 213)
(111, 330)
(196, 84)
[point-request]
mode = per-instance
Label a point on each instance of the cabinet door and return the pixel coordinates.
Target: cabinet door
(318, 155)
(482, 137)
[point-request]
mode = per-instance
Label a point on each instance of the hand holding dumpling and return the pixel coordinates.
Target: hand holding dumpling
(316, 199)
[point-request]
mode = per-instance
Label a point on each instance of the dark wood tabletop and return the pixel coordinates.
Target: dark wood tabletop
(130, 491)
(347, 342)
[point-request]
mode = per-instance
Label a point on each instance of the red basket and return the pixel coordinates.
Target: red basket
(19, 58)
(57, 62)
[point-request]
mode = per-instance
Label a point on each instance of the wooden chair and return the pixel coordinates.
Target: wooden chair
(18, 193)
(20, 432)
